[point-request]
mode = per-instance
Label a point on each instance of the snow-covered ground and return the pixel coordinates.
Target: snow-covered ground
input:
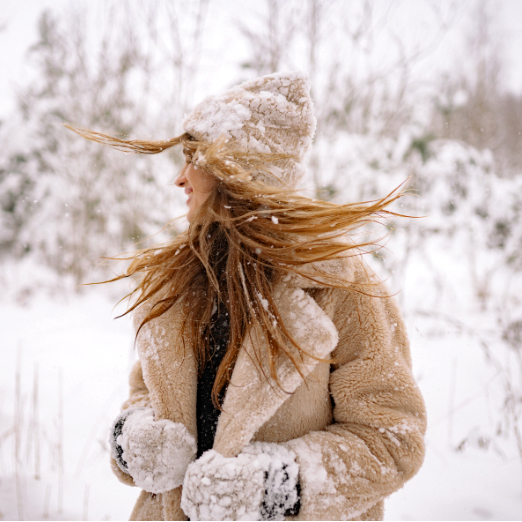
(63, 375)
(62, 380)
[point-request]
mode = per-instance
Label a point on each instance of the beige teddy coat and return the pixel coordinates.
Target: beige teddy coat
(356, 425)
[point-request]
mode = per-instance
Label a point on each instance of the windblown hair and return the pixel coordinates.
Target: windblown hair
(240, 242)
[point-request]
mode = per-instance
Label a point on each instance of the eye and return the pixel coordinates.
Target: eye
(188, 155)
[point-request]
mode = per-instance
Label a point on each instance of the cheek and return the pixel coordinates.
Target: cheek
(201, 183)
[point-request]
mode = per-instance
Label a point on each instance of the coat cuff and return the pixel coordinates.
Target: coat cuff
(114, 434)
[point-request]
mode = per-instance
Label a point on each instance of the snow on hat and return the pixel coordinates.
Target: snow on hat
(273, 114)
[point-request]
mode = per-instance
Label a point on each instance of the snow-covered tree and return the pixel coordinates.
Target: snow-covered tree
(69, 201)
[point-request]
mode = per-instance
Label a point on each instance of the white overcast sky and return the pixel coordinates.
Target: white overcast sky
(18, 31)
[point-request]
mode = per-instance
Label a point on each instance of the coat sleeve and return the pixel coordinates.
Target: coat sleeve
(375, 443)
(138, 398)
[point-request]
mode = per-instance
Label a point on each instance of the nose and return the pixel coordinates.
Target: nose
(181, 179)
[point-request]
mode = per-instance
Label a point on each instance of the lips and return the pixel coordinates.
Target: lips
(188, 192)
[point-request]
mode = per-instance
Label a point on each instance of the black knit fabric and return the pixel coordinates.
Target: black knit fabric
(207, 413)
(118, 429)
(272, 511)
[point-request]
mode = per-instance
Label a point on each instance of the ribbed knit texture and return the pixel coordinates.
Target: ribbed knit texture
(273, 113)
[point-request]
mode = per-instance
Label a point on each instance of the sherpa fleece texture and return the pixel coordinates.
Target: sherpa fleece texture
(356, 426)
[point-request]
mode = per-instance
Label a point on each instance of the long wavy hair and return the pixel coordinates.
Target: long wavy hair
(243, 238)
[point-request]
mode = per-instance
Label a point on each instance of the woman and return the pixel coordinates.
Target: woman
(274, 376)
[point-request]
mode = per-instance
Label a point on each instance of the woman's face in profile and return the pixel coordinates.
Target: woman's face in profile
(198, 186)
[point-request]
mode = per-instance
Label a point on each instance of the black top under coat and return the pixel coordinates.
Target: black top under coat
(207, 415)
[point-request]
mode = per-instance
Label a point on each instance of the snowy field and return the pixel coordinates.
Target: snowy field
(63, 377)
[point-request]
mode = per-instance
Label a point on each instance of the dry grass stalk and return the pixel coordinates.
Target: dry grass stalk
(60, 441)
(18, 436)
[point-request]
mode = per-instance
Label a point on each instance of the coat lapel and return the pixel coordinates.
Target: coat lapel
(252, 396)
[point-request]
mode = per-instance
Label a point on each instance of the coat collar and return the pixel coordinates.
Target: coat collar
(253, 396)
(170, 374)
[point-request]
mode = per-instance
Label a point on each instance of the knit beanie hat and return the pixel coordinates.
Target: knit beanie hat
(273, 114)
